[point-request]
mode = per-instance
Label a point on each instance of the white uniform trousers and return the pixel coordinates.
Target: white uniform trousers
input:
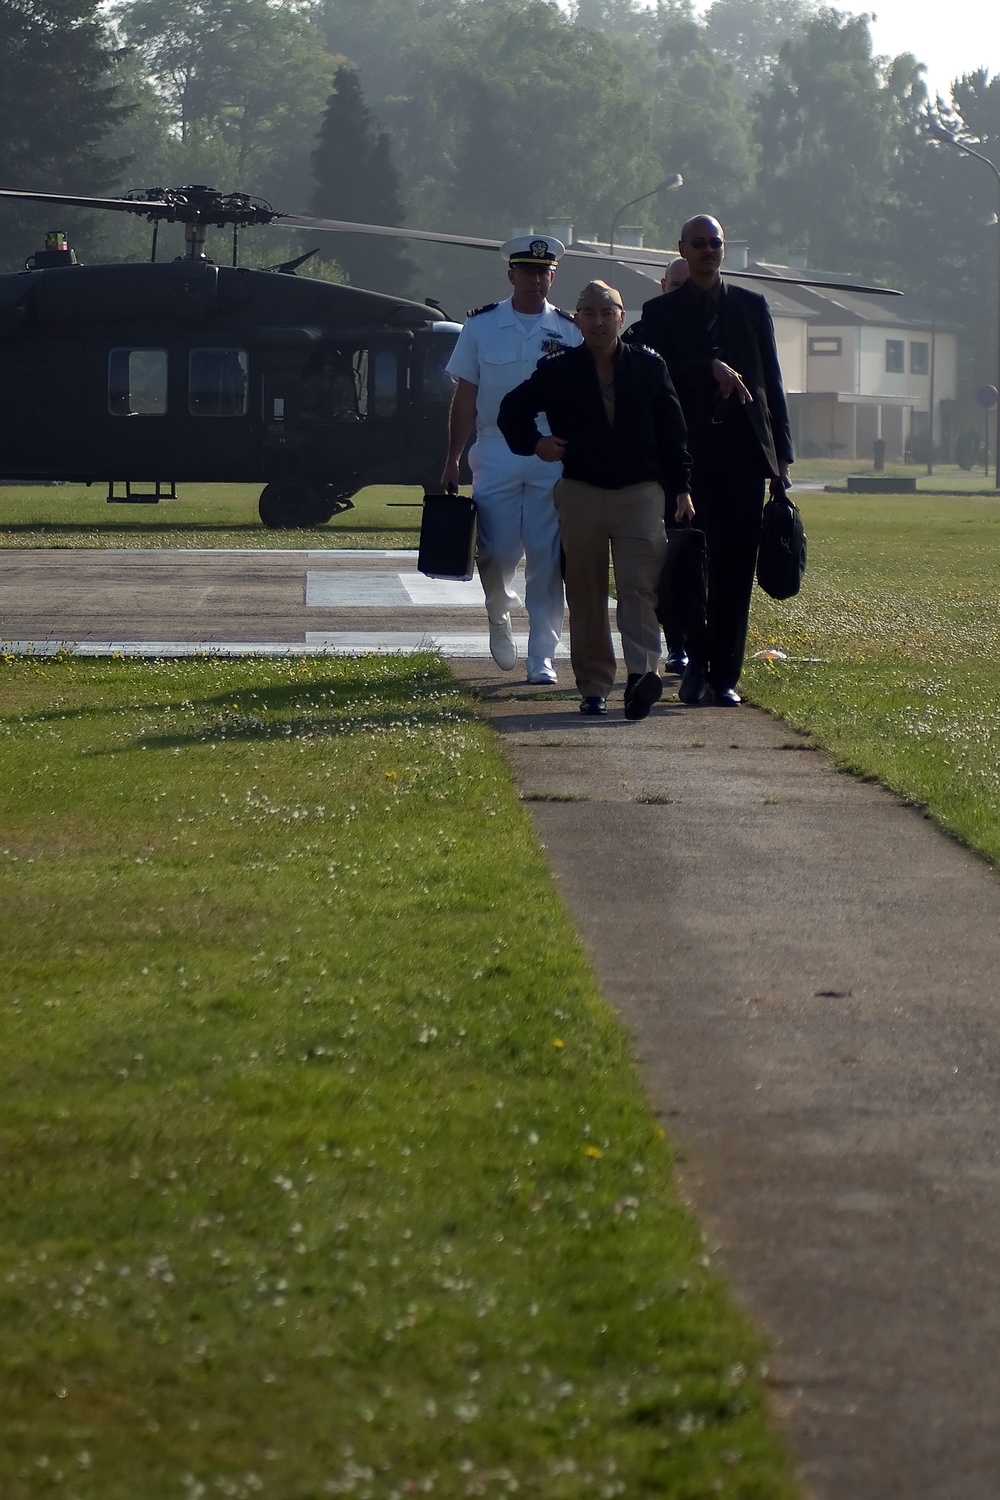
(515, 518)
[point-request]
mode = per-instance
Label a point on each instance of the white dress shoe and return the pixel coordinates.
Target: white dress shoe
(541, 670)
(503, 647)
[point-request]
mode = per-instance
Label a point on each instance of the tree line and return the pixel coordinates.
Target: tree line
(485, 115)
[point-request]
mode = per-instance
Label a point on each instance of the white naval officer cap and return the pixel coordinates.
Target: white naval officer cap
(533, 250)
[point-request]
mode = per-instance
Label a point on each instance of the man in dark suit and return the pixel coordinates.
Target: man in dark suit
(718, 343)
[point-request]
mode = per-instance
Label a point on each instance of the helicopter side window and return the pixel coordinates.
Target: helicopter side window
(218, 383)
(137, 382)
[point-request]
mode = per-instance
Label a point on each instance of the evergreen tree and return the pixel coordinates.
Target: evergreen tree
(749, 35)
(243, 83)
(702, 129)
(829, 128)
(356, 179)
(58, 102)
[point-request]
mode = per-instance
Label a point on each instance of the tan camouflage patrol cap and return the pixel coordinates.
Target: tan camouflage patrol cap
(599, 294)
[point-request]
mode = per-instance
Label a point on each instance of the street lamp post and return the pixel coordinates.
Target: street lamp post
(666, 186)
(951, 139)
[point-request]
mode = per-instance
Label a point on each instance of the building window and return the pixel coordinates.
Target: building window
(895, 357)
(826, 346)
(920, 361)
(137, 382)
(218, 383)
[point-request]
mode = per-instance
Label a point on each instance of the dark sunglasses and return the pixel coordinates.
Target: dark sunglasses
(701, 244)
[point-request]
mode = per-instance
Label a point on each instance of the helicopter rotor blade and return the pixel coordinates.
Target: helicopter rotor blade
(76, 200)
(823, 286)
(204, 205)
(344, 226)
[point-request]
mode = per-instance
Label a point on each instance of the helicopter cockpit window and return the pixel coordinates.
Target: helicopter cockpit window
(218, 383)
(137, 382)
(435, 382)
(332, 383)
(385, 385)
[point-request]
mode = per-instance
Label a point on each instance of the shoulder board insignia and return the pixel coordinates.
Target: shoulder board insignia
(568, 316)
(475, 311)
(551, 354)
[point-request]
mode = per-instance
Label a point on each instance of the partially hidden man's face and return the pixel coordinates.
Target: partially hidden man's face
(703, 246)
(677, 273)
(600, 325)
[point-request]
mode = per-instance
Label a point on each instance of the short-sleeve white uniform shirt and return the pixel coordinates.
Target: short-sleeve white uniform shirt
(497, 350)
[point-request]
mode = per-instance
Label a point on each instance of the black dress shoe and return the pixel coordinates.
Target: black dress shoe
(674, 662)
(593, 706)
(693, 688)
(644, 693)
(727, 698)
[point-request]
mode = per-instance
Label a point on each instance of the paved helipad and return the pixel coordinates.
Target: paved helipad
(183, 603)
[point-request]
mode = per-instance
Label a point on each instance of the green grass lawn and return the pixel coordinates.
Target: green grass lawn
(325, 1169)
(895, 647)
(947, 477)
(225, 515)
(203, 515)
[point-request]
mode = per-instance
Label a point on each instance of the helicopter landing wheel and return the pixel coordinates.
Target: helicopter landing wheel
(289, 504)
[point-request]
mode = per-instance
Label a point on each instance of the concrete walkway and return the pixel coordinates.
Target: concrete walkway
(810, 974)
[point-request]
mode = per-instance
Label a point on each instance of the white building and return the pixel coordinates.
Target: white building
(873, 366)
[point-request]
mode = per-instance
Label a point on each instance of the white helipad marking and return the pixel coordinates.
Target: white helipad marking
(316, 643)
(399, 642)
(335, 553)
(443, 592)
(344, 589)
(356, 591)
(161, 648)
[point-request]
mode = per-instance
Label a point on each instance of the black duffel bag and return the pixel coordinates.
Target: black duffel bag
(781, 556)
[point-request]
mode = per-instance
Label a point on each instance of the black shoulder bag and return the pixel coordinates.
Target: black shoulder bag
(781, 556)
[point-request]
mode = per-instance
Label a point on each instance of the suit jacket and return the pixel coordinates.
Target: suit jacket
(674, 325)
(645, 441)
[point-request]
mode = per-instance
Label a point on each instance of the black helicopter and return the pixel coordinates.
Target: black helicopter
(186, 370)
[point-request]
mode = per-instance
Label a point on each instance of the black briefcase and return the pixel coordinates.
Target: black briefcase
(781, 556)
(447, 536)
(682, 596)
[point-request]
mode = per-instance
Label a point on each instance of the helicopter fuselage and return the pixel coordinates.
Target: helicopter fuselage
(189, 371)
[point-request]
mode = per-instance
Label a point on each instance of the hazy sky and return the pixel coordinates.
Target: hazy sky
(951, 38)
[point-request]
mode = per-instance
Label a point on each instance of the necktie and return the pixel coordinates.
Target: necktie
(712, 325)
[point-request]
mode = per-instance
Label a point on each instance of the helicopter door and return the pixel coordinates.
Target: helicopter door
(41, 408)
(348, 402)
(222, 432)
(130, 411)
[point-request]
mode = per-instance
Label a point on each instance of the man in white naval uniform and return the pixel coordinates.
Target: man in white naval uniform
(498, 348)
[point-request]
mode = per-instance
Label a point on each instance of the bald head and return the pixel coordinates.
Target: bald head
(702, 246)
(676, 274)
